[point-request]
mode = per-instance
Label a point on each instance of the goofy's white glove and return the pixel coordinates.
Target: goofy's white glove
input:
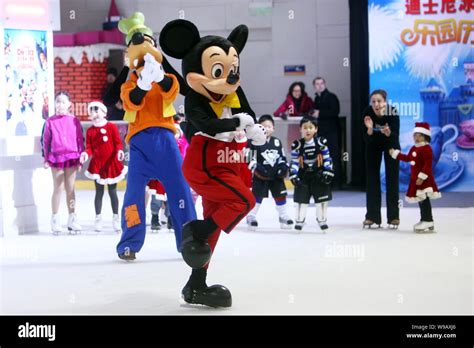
(151, 72)
(257, 133)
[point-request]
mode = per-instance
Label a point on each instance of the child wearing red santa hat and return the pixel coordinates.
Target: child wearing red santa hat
(422, 185)
(104, 145)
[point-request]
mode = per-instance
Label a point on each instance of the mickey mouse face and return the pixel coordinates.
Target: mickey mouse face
(221, 74)
(210, 64)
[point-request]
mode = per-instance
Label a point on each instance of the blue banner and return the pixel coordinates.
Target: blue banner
(421, 53)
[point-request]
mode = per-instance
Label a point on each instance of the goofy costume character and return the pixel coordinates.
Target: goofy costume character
(147, 98)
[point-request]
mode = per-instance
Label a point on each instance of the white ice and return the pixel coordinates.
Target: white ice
(270, 271)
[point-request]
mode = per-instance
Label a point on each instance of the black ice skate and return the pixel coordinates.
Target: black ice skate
(323, 225)
(127, 256)
(169, 223)
(195, 250)
(155, 223)
(299, 225)
(393, 225)
(370, 224)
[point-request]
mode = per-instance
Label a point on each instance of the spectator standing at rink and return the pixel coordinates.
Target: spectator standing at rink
(381, 132)
(63, 144)
(326, 110)
(297, 102)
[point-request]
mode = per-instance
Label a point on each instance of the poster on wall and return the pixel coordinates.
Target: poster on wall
(26, 81)
(421, 53)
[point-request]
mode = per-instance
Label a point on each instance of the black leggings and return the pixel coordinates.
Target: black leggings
(99, 193)
(425, 210)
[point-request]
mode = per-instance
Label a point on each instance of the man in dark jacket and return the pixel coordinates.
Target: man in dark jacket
(326, 110)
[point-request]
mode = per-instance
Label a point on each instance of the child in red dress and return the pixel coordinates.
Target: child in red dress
(104, 145)
(422, 185)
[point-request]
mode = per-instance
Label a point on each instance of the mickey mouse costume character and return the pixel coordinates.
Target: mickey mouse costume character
(147, 99)
(422, 185)
(215, 107)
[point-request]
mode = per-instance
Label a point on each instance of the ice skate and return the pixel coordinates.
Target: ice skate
(196, 251)
(169, 223)
(162, 217)
(394, 224)
(155, 223)
(370, 224)
(116, 223)
(72, 224)
(98, 223)
(252, 223)
(323, 225)
(286, 223)
(424, 227)
(127, 256)
(56, 227)
(299, 225)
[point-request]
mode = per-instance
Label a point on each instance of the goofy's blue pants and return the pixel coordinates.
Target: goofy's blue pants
(154, 154)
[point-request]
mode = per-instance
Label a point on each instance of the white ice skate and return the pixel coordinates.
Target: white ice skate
(370, 224)
(98, 223)
(393, 225)
(72, 224)
(162, 217)
(424, 227)
(56, 227)
(323, 225)
(285, 222)
(252, 223)
(116, 223)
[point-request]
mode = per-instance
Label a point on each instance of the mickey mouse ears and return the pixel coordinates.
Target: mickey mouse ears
(178, 37)
(134, 24)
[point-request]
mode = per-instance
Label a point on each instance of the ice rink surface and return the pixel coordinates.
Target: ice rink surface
(348, 270)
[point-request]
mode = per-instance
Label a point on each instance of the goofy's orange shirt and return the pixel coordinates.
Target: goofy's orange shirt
(150, 112)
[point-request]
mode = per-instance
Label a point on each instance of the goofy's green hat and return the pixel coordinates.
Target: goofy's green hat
(134, 24)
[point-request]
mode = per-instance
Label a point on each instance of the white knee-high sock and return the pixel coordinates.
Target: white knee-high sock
(321, 211)
(281, 209)
(301, 212)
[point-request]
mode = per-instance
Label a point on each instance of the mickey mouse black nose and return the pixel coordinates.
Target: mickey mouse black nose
(232, 79)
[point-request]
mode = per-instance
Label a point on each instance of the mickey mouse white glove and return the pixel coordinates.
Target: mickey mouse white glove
(151, 72)
(257, 133)
(245, 120)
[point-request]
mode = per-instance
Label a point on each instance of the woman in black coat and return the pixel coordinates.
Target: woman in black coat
(381, 132)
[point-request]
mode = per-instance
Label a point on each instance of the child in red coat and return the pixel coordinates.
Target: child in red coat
(104, 145)
(422, 185)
